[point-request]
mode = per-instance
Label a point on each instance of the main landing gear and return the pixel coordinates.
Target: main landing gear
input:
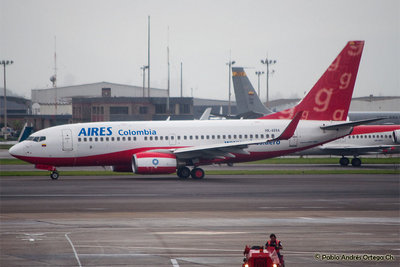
(196, 173)
(356, 162)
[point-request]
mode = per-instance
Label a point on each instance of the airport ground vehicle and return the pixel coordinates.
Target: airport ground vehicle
(257, 256)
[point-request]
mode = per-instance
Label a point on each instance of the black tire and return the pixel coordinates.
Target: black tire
(54, 175)
(183, 172)
(197, 173)
(344, 161)
(356, 162)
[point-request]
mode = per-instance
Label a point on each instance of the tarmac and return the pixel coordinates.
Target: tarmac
(165, 221)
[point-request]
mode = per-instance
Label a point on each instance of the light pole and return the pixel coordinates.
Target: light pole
(268, 62)
(144, 78)
(5, 63)
(230, 63)
(259, 73)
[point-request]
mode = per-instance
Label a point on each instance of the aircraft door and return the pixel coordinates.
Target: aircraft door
(67, 140)
(294, 140)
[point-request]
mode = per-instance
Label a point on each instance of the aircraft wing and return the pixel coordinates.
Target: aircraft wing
(227, 150)
(349, 149)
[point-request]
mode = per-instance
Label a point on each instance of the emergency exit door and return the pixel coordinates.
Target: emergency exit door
(67, 140)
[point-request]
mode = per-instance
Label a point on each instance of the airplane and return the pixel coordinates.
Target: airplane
(249, 105)
(364, 140)
(165, 147)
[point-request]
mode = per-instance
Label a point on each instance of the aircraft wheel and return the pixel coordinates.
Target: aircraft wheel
(356, 162)
(54, 175)
(183, 172)
(344, 161)
(197, 173)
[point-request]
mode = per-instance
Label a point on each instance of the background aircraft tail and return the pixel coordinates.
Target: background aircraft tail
(247, 100)
(330, 97)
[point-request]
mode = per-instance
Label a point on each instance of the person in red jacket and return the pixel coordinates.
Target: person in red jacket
(275, 243)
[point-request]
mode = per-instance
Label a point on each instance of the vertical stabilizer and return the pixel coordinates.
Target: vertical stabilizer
(247, 100)
(330, 97)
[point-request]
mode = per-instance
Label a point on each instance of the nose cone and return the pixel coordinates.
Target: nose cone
(15, 150)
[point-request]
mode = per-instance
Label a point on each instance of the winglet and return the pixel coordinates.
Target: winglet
(291, 128)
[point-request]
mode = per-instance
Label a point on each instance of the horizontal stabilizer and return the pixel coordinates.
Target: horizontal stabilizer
(349, 124)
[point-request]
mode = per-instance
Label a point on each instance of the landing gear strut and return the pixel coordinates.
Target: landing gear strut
(54, 175)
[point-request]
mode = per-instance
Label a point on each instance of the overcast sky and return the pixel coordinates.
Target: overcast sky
(107, 41)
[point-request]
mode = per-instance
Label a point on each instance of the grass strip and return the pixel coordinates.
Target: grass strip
(216, 172)
(13, 162)
(394, 160)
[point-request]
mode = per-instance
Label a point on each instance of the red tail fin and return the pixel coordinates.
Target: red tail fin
(330, 97)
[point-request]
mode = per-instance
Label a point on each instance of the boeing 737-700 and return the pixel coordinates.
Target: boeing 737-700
(164, 147)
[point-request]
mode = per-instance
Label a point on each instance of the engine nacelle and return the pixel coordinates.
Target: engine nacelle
(396, 136)
(121, 168)
(154, 163)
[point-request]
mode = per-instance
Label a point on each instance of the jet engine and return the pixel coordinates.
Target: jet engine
(154, 163)
(396, 136)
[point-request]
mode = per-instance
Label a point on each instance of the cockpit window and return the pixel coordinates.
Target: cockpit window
(36, 138)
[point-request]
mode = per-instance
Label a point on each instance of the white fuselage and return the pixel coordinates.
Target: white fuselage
(114, 143)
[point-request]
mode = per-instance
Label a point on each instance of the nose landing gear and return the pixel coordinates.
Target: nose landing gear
(54, 175)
